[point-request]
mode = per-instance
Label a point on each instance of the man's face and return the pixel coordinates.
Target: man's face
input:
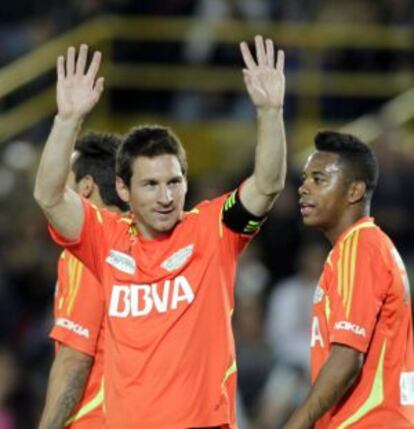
(157, 193)
(323, 196)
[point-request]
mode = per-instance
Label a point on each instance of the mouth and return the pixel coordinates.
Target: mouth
(164, 212)
(306, 207)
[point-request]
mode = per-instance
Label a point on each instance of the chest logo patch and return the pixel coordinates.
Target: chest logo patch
(178, 259)
(318, 295)
(122, 261)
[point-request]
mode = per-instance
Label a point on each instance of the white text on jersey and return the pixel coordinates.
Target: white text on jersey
(139, 300)
(72, 326)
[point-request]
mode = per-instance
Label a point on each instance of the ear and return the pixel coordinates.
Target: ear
(86, 186)
(356, 192)
(122, 190)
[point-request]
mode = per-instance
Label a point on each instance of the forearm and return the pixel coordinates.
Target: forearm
(67, 381)
(334, 380)
(54, 164)
(270, 158)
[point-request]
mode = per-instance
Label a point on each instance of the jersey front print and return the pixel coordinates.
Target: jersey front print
(170, 355)
(79, 316)
(363, 301)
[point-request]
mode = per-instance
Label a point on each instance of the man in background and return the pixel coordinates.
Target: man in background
(75, 391)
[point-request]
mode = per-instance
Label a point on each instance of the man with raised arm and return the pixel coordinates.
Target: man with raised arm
(167, 275)
(75, 390)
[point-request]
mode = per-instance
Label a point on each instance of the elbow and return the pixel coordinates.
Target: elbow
(44, 199)
(271, 189)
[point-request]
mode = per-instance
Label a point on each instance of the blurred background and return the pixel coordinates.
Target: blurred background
(350, 66)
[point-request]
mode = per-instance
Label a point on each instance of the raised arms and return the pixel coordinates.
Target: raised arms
(78, 90)
(265, 84)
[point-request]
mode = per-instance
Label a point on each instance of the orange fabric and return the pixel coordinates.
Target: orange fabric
(363, 301)
(79, 315)
(170, 355)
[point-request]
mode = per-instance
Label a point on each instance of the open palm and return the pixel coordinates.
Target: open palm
(265, 81)
(78, 91)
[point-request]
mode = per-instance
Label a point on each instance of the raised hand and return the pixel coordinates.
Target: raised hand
(265, 81)
(78, 90)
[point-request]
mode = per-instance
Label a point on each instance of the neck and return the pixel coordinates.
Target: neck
(348, 219)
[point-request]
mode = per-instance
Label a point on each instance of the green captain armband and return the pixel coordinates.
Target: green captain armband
(237, 218)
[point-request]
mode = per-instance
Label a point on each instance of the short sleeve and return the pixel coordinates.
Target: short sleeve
(358, 292)
(78, 307)
(91, 245)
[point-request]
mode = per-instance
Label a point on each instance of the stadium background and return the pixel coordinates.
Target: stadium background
(350, 65)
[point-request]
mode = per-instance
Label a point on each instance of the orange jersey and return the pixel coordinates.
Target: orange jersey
(363, 301)
(170, 354)
(79, 314)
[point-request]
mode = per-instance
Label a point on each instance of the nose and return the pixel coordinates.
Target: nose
(302, 190)
(165, 196)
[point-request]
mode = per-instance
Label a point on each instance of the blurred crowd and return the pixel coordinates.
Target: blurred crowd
(280, 269)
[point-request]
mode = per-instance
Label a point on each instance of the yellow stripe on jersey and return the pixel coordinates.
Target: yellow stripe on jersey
(75, 274)
(98, 213)
(346, 263)
(353, 254)
(231, 370)
(375, 397)
(126, 220)
(90, 406)
(327, 308)
(358, 227)
(346, 268)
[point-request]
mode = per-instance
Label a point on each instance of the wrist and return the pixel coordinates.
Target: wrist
(69, 121)
(264, 110)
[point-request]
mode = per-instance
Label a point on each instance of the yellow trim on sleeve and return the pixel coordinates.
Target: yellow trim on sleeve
(354, 250)
(90, 406)
(375, 397)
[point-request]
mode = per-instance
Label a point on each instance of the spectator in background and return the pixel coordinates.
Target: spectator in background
(287, 331)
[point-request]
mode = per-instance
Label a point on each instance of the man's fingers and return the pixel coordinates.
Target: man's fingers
(247, 56)
(70, 61)
(260, 51)
(94, 66)
(270, 53)
(60, 68)
(99, 86)
(81, 62)
(280, 65)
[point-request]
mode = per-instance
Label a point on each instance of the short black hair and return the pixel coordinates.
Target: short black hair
(96, 158)
(359, 159)
(148, 141)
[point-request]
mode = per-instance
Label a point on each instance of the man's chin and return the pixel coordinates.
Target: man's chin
(310, 221)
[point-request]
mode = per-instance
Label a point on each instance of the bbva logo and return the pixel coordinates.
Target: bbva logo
(139, 300)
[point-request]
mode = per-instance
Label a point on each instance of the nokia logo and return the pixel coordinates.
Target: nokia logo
(348, 326)
(72, 326)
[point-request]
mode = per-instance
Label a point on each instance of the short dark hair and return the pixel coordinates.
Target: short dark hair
(358, 158)
(149, 141)
(96, 158)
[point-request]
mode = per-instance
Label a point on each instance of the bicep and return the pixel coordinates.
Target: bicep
(67, 216)
(255, 201)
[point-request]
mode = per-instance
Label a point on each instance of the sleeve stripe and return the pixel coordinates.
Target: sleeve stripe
(353, 265)
(346, 269)
(75, 274)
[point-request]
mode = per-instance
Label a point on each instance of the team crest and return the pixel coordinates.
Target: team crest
(178, 259)
(121, 261)
(318, 295)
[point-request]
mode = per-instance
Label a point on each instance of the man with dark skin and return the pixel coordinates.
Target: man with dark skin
(362, 337)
